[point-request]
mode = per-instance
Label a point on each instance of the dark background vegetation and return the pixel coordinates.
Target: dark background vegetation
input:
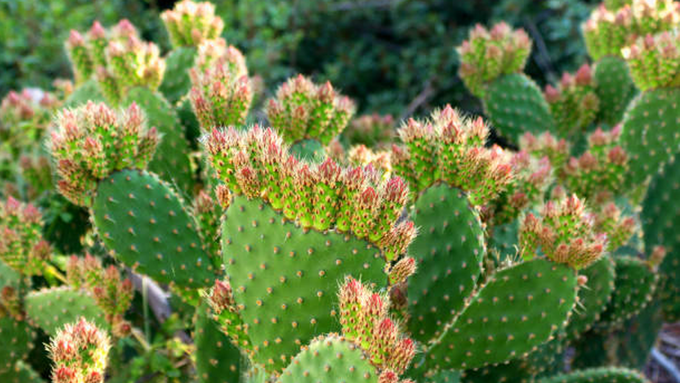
(391, 56)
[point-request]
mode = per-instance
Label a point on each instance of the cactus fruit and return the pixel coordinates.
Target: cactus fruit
(80, 353)
(117, 58)
(491, 67)
(574, 103)
(221, 93)
(608, 31)
(371, 130)
(21, 244)
(112, 294)
(304, 110)
(599, 172)
(654, 61)
(190, 23)
(489, 54)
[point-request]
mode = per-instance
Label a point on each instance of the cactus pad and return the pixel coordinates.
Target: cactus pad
(635, 285)
(660, 220)
(515, 105)
(650, 132)
(449, 251)
(285, 278)
(330, 359)
(51, 309)
(20, 373)
(599, 375)
(88, 91)
(17, 340)
(217, 360)
(143, 221)
(533, 299)
(176, 83)
(593, 299)
(171, 161)
(614, 88)
(8, 276)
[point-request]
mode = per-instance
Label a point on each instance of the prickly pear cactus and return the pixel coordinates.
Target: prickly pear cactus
(491, 67)
(51, 309)
(612, 375)
(217, 359)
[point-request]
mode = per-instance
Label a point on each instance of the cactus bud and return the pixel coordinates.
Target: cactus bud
(190, 23)
(402, 270)
(79, 352)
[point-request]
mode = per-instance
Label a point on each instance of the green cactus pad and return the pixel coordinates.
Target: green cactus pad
(176, 82)
(650, 132)
(639, 336)
(449, 250)
(217, 360)
(592, 349)
(285, 279)
(20, 373)
(192, 129)
(16, 338)
(51, 309)
(593, 299)
(660, 220)
(330, 359)
(518, 309)
(171, 160)
(444, 377)
(88, 91)
(8, 276)
(614, 88)
(515, 105)
(635, 285)
(599, 375)
(142, 220)
(514, 372)
(311, 150)
(505, 240)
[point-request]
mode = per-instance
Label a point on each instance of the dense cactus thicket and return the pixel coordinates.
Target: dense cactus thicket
(166, 219)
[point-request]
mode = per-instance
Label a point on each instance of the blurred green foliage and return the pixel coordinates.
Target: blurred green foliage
(392, 56)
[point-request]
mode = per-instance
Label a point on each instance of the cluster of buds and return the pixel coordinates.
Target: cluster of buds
(654, 61)
(450, 148)
(303, 110)
(24, 116)
(618, 228)
(608, 31)
(360, 155)
(488, 54)
(79, 352)
(119, 59)
(224, 310)
(574, 103)
(365, 321)
(190, 23)
(112, 294)
(599, 172)
(371, 130)
(565, 234)
(22, 246)
(531, 179)
(92, 141)
(546, 145)
(258, 164)
(222, 92)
